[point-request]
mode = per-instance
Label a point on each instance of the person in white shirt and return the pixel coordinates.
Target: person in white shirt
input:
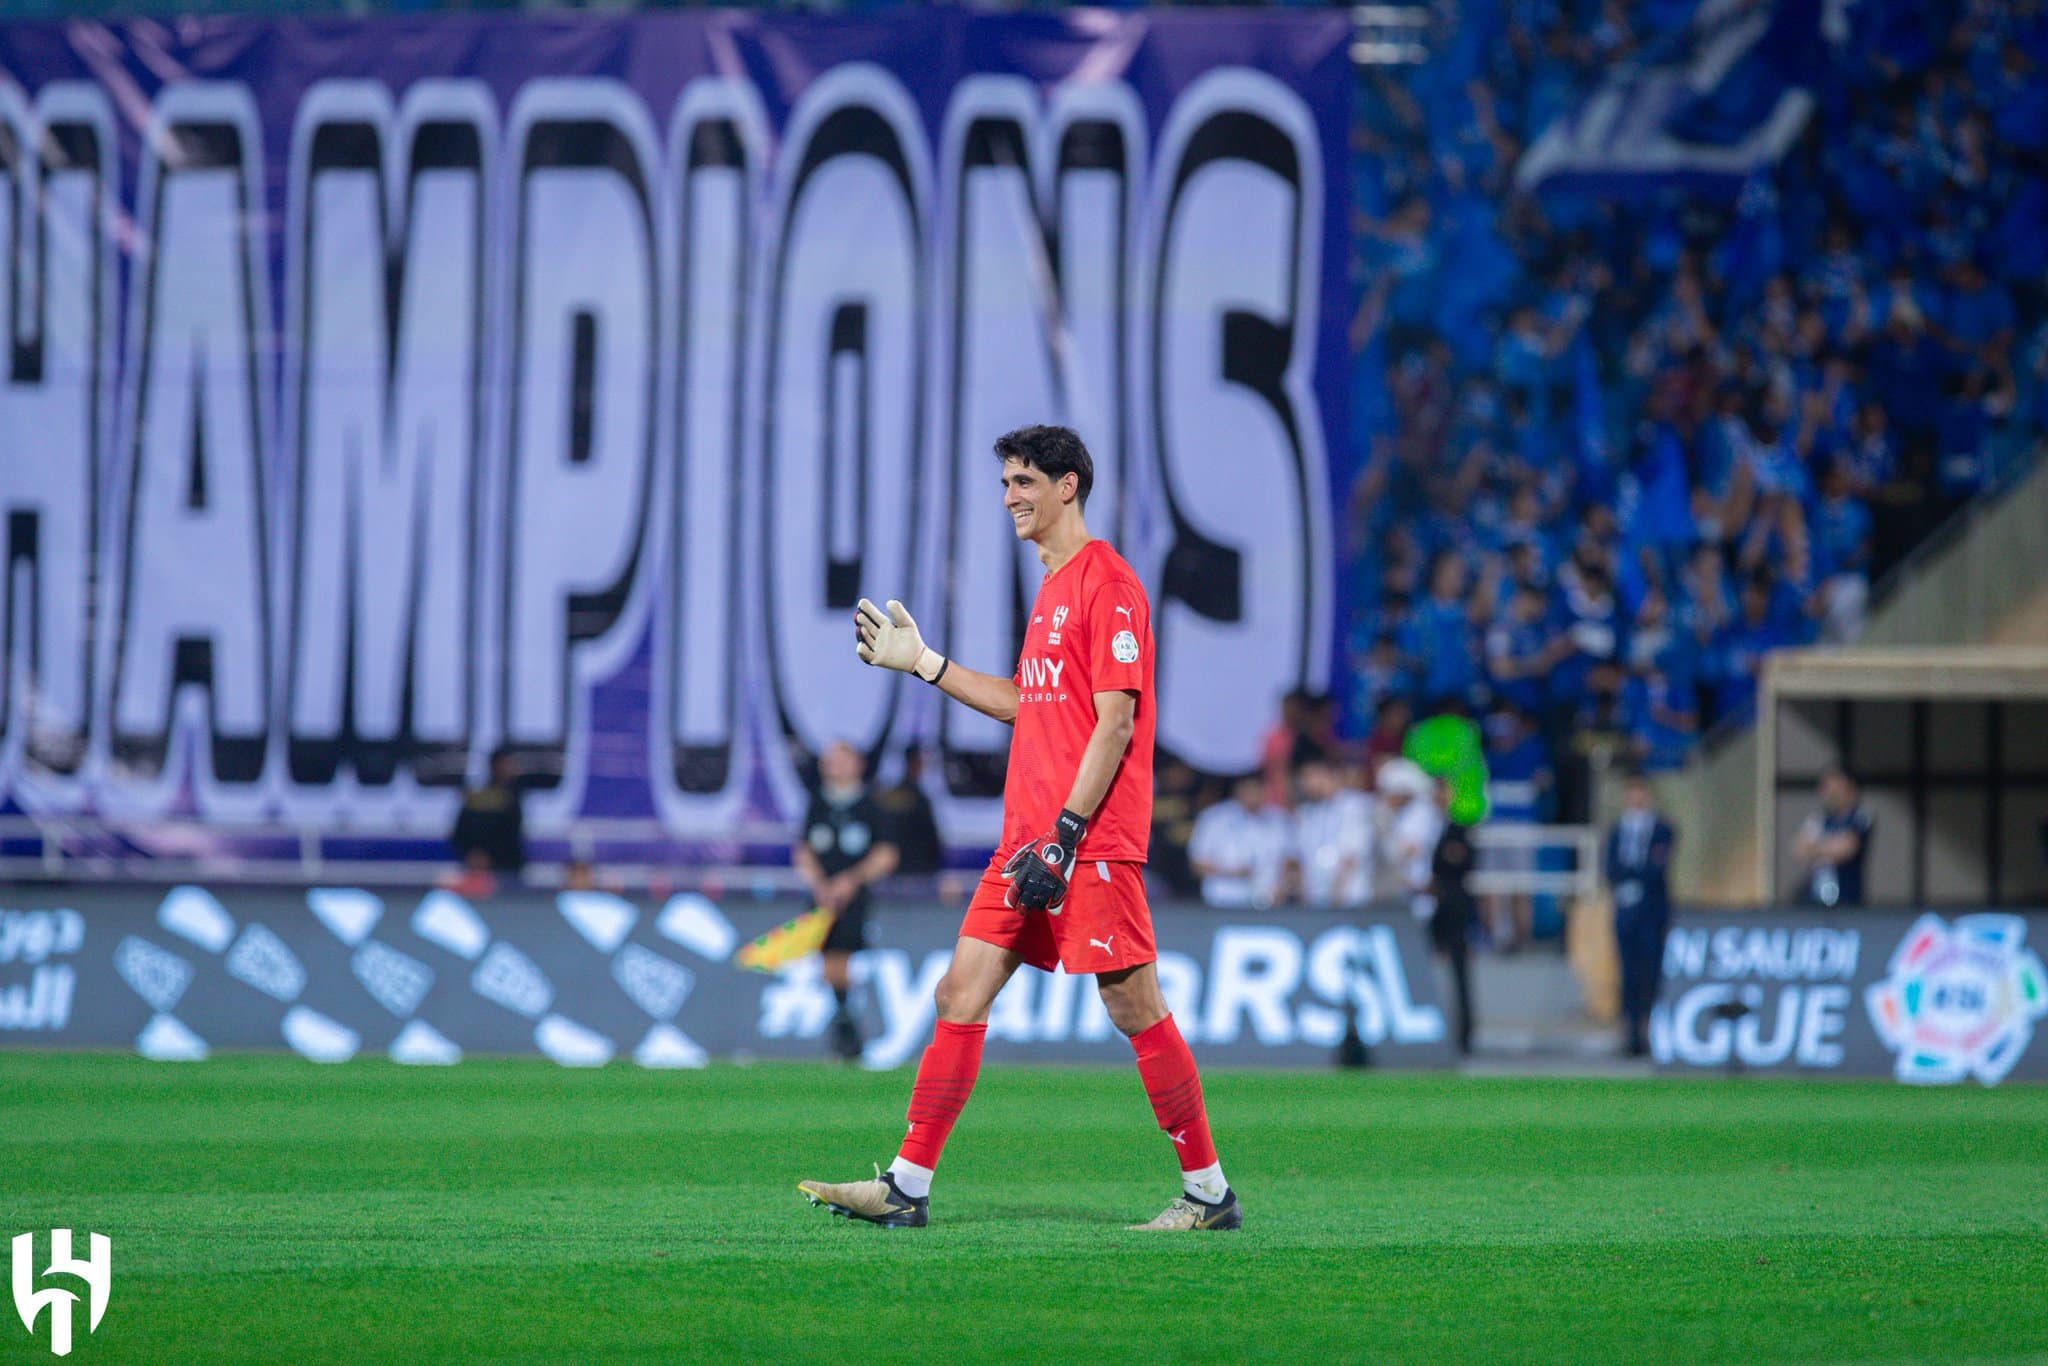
(1332, 837)
(1410, 824)
(1239, 848)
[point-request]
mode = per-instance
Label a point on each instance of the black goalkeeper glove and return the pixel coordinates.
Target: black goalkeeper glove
(1037, 873)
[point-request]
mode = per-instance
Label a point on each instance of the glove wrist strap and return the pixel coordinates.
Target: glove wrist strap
(930, 666)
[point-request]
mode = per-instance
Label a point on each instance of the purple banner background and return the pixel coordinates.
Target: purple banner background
(1157, 54)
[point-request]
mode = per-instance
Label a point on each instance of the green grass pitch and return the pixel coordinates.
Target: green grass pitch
(265, 1209)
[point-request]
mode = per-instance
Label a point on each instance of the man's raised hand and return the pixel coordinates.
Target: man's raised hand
(889, 640)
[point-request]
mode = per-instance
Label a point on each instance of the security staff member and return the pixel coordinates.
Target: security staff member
(1638, 871)
(842, 849)
(490, 830)
(1450, 923)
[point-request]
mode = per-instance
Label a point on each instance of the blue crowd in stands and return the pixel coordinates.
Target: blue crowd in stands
(1619, 448)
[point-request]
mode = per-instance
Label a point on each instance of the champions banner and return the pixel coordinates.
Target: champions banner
(378, 392)
(588, 977)
(1922, 998)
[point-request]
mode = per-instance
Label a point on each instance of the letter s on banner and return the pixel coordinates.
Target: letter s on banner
(1244, 605)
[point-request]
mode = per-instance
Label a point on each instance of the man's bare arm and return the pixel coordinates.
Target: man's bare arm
(1115, 720)
(888, 638)
(986, 693)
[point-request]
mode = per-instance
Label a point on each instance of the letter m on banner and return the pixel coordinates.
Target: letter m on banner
(97, 1271)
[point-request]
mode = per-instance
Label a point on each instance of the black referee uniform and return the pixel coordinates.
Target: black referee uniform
(840, 835)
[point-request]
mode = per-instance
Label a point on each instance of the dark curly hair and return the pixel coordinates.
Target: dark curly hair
(1052, 451)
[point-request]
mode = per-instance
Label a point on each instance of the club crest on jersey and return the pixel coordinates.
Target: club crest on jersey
(1059, 619)
(1124, 647)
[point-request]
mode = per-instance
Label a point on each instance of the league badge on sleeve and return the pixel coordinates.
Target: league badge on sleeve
(1124, 647)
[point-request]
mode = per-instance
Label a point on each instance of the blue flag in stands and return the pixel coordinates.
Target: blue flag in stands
(1726, 96)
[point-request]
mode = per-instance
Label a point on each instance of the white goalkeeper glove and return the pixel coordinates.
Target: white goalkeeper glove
(889, 640)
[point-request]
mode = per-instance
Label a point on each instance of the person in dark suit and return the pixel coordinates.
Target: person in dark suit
(913, 829)
(490, 831)
(1638, 868)
(1450, 920)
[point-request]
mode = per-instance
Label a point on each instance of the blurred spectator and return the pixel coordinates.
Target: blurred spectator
(1522, 648)
(1239, 848)
(1380, 676)
(842, 849)
(1333, 830)
(1440, 636)
(1756, 630)
(1661, 713)
(1833, 842)
(1389, 730)
(490, 831)
(579, 875)
(1450, 920)
(1637, 867)
(1410, 822)
(1841, 551)
(1307, 730)
(912, 827)
(1176, 798)
(1518, 790)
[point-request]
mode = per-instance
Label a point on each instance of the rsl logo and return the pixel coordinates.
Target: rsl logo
(96, 1270)
(1959, 1000)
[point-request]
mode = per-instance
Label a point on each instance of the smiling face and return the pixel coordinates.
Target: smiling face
(1037, 503)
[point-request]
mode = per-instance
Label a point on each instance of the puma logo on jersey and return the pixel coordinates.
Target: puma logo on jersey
(1103, 944)
(1126, 611)
(1040, 673)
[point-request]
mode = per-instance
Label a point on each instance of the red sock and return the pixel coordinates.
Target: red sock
(945, 1078)
(1175, 1089)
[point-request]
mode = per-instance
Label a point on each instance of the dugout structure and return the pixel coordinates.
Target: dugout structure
(1950, 745)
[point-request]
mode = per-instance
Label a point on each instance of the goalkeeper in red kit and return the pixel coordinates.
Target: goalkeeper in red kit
(1066, 885)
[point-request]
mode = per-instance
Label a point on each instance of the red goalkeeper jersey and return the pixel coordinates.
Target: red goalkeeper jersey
(1090, 632)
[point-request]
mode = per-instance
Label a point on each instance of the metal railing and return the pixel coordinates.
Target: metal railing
(1494, 839)
(628, 855)
(636, 854)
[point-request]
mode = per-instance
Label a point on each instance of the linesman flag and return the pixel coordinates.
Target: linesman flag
(786, 943)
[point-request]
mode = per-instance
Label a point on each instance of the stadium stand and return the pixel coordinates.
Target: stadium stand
(1621, 447)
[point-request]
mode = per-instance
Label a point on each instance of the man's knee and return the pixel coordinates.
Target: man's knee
(958, 1003)
(1132, 1008)
(943, 997)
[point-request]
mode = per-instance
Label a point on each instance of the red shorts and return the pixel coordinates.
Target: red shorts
(1104, 923)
